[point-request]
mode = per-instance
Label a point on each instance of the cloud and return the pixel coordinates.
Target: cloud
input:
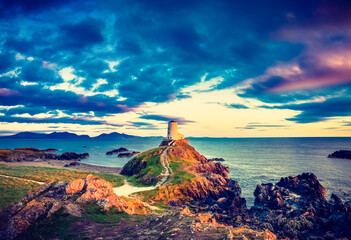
(83, 34)
(236, 106)
(259, 125)
(69, 120)
(301, 52)
(319, 111)
(165, 118)
(10, 7)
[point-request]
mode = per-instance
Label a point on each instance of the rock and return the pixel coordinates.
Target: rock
(73, 156)
(344, 154)
(101, 192)
(32, 154)
(246, 233)
(129, 154)
(338, 203)
(73, 209)
(75, 186)
(305, 184)
(49, 150)
(210, 167)
(72, 164)
(216, 159)
(115, 151)
(25, 154)
(268, 195)
(186, 211)
(29, 213)
(28, 149)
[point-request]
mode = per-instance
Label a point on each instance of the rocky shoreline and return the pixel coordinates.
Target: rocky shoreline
(293, 208)
(29, 154)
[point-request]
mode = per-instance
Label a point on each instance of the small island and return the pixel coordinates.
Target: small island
(344, 154)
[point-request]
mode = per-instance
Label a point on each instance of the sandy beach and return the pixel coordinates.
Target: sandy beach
(60, 164)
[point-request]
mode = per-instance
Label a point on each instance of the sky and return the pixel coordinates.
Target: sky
(220, 68)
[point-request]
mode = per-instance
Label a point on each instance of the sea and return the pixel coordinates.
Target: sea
(251, 161)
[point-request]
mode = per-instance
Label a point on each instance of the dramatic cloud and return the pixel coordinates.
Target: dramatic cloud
(164, 118)
(113, 57)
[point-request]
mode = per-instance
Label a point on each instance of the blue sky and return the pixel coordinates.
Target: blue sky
(221, 68)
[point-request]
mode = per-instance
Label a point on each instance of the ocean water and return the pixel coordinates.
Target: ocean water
(251, 160)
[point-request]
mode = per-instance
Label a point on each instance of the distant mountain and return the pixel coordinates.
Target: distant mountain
(114, 136)
(54, 135)
(67, 135)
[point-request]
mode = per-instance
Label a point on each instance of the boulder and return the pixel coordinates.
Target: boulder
(115, 151)
(72, 164)
(73, 156)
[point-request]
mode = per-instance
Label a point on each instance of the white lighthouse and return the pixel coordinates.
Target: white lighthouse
(172, 133)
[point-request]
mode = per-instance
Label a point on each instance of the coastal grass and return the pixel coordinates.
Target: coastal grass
(55, 227)
(147, 195)
(179, 174)
(181, 177)
(152, 169)
(44, 174)
(97, 214)
(12, 190)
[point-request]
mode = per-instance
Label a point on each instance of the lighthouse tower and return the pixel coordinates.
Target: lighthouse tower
(172, 133)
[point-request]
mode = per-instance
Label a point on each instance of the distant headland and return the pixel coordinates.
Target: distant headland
(68, 135)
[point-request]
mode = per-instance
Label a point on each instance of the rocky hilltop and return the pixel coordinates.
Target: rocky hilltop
(187, 197)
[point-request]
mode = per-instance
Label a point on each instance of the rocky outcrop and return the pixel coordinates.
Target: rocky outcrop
(45, 200)
(296, 207)
(133, 167)
(344, 154)
(211, 188)
(216, 159)
(72, 156)
(244, 232)
(100, 192)
(33, 154)
(210, 167)
(128, 154)
(72, 164)
(115, 151)
(49, 150)
(183, 150)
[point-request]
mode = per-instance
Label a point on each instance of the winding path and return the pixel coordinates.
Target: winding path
(127, 189)
(23, 179)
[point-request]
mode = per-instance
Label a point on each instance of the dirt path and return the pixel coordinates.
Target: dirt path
(166, 169)
(127, 189)
(18, 178)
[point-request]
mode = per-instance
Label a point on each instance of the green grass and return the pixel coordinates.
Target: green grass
(45, 174)
(55, 227)
(98, 215)
(153, 167)
(147, 195)
(116, 180)
(181, 177)
(12, 190)
(175, 166)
